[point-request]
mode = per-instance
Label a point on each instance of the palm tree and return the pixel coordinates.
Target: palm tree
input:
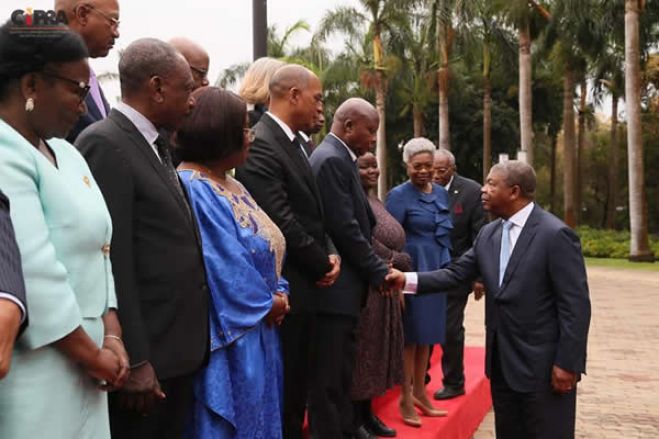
(485, 40)
(278, 45)
(382, 19)
(418, 74)
(639, 245)
(521, 14)
(609, 77)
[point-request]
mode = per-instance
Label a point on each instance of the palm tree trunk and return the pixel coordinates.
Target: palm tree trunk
(581, 140)
(418, 122)
(525, 92)
(639, 245)
(569, 150)
(552, 175)
(614, 157)
(381, 142)
(487, 126)
(444, 131)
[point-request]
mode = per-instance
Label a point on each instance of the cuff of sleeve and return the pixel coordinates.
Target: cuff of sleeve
(17, 302)
(411, 282)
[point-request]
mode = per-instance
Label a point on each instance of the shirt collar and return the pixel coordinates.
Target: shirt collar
(521, 216)
(143, 125)
(289, 132)
(450, 182)
(353, 156)
(304, 136)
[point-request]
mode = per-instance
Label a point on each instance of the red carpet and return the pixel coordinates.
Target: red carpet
(465, 412)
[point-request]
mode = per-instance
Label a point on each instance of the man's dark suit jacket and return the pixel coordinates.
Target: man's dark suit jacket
(541, 313)
(92, 115)
(156, 256)
(11, 273)
(349, 220)
(280, 180)
(467, 215)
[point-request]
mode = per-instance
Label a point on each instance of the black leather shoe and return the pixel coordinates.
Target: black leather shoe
(448, 393)
(379, 428)
(363, 433)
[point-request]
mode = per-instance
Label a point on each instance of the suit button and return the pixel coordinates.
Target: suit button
(204, 288)
(106, 249)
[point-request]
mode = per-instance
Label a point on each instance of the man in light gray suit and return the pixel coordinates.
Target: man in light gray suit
(537, 306)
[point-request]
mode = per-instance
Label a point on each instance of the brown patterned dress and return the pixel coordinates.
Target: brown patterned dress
(379, 359)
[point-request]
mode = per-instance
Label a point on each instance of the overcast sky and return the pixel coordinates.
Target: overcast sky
(223, 27)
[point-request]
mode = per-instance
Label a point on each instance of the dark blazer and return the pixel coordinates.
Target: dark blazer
(349, 220)
(11, 273)
(93, 114)
(155, 251)
(467, 215)
(280, 179)
(541, 313)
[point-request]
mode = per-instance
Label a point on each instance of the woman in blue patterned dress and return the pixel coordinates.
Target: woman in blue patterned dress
(238, 395)
(422, 208)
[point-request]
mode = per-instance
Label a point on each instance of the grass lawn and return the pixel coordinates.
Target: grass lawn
(622, 263)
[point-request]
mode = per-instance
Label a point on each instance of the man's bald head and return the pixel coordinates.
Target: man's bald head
(197, 58)
(356, 122)
(296, 97)
(354, 109)
(97, 22)
(288, 77)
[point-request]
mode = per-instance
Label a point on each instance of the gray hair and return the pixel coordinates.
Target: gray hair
(416, 146)
(443, 152)
(145, 58)
(516, 172)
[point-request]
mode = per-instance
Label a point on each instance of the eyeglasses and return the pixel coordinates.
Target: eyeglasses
(114, 22)
(82, 88)
(250, 134)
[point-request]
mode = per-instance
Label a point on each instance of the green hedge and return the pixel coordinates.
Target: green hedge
(602, 243)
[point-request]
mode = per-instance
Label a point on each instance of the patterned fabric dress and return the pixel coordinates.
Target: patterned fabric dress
(379, 359)
(427, 223)
(239, 393)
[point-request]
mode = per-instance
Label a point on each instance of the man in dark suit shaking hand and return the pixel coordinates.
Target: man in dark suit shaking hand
(537, 306)
(349, 222)
(278, 175)
(156, 255)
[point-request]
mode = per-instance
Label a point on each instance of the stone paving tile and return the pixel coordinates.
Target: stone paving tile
(619, 397)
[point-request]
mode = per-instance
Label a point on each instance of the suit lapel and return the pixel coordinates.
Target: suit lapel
(294, 155)
(149, 154)
(521, 246)
(454, 191)
(92, 108)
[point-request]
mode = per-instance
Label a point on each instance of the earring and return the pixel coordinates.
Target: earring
(29, 105)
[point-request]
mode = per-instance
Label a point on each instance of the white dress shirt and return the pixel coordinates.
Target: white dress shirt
(143, 125)
(5, 296)
(518, 221)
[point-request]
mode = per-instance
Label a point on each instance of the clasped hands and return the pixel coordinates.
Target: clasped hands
(330, 277)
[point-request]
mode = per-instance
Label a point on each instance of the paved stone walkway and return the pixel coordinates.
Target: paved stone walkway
(619, 398)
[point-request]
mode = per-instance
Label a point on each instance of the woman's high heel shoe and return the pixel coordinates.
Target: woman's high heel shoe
(429, 410)
(412, 419)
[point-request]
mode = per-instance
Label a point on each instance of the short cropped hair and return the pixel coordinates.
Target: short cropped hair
(214, 129)
(416, 146)
(255, 84)
(516, 172)
(22, 53)
(144, 58)
(443, 152)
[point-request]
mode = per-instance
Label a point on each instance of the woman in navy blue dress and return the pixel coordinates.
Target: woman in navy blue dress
(422, 209)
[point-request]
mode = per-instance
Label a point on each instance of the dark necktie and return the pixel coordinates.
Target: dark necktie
(166, 160)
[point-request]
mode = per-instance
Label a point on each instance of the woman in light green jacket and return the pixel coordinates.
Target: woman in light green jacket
(71, 352)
